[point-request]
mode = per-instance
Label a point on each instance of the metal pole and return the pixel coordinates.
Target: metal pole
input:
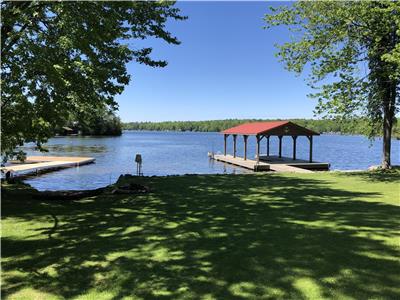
(267, 145)
(258, 148)
(280, 146)
(311, 145)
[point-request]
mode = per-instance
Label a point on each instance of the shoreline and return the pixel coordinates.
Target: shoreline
(21, 179)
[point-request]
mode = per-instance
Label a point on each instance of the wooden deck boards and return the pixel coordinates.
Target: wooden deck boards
(34, 163)
(287, 168)
(75, 159)
(273, 163)
(238, 161)
(299, 163)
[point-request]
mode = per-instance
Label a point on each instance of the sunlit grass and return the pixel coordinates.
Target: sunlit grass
(261, 236)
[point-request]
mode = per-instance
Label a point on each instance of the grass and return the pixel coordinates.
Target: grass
(261, 236)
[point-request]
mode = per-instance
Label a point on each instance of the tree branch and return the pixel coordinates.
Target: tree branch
(6, 30)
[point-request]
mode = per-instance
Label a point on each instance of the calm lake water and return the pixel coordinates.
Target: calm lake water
(173, 153)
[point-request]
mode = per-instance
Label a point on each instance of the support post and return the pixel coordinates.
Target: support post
(234, 145)
(225, 137)
(8, 176)
(280, 145)
(294, 137)
(311, 144)
(245, 146)
(267, 145)
(258, 147)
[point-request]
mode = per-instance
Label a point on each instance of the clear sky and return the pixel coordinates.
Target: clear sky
(224, 68)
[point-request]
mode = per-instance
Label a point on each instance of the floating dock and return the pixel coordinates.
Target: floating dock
(238, 161)
(276, 161)
(37, 163)
(273, 163)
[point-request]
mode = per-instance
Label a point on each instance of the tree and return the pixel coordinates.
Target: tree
(352, 50)
(101, 122)
(62, 57)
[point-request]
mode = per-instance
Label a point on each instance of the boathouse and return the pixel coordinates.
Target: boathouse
(266, 130)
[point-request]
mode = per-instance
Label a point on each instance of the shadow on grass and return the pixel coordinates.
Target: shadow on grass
(392, 175)
(223, 237)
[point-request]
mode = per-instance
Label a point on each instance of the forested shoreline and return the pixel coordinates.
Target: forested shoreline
(101, 122)
(355, 126)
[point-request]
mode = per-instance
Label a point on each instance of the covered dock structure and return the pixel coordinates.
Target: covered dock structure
(266, 130)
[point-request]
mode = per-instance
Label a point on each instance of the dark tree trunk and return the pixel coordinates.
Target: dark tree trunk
(387, 137)
(384, 87)
(389, 105)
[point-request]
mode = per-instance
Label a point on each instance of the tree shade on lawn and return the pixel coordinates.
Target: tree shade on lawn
(324, 235)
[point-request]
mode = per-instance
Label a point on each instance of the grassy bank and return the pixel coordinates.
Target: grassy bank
(261, 236)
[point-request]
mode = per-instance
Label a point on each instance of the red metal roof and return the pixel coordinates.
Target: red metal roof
(274, 127)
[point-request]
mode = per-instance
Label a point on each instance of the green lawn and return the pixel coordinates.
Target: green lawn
(261, 236)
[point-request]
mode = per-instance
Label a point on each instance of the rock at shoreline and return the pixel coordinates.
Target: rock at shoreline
(131, 188)
(122, 186)
(374, 168)
(67, 195)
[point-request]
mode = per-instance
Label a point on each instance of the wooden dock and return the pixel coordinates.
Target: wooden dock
(287, 168)
(36, 163)
(238, 161)
(274, 160)
(273, 163)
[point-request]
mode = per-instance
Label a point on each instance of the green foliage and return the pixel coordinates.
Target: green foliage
(256, 236)
(352, 50)
(61, 58)
(106, 124)
(353, 126)
(337, 41)
(102, 122)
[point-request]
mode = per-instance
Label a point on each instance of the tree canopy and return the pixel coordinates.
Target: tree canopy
(102, 122)
(62, 57)
(352, 52)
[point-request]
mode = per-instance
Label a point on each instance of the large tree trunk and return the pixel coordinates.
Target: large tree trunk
(387, 138)
(389, 104)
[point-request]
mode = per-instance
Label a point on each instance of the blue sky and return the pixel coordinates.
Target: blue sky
(224, 68)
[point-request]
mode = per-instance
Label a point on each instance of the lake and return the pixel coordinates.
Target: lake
(175, 153)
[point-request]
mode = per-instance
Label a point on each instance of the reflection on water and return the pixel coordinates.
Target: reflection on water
(171, 153)
(76, 148)
(62, 148)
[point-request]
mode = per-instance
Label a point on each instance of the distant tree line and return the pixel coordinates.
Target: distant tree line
(353, 126)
